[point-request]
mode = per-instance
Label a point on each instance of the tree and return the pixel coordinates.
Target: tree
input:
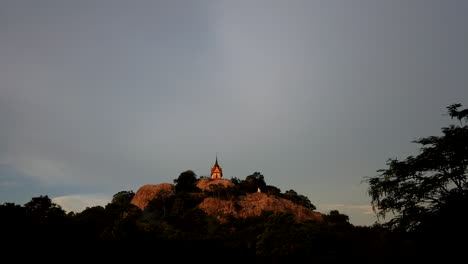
(12, 221)
(45, 222)
(337, 218)
(91, 222)
(253, 182)
(236, 181)
(160, 205)
(123, 197)
(298, 199)
(278, 238)
(186, 182)
(428, 191)
(43, 210)
(270, 189)
(121, 204)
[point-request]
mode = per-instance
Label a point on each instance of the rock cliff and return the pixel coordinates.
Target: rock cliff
(254, 204)
(147, 192)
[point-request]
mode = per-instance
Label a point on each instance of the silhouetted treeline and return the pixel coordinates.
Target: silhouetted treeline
(172, 227)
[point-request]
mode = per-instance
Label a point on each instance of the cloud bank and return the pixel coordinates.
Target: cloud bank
(78, 202)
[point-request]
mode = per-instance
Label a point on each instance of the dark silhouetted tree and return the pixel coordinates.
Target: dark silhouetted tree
(43, 210)
(336, 218)
(236, 181)
(273, 190)
(453, 112)
(277, 240)
(90, 223)
(424, 185)
(123, 197)
(253, 182)
(298, 199)
(428, 193)
(13, 221)
(186, 182)
(160, 206)
(45, 221)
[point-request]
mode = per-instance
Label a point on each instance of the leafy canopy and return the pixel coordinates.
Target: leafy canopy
(186, 182)
(430, 185)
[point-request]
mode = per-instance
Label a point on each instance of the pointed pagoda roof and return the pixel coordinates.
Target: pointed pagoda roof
(216, 171)
(216, 162)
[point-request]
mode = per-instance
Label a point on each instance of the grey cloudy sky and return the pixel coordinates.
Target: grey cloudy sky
(97, 97)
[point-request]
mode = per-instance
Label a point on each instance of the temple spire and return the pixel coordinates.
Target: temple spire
(216, 171)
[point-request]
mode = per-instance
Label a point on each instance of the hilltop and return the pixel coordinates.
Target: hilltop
(224, 198)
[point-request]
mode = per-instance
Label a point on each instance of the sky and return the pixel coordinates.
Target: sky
(98, 97)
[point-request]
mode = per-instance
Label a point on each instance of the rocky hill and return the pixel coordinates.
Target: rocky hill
(249, 205)
(254, 204)
(147, 192)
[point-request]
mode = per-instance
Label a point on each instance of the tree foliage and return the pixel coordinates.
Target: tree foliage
(186, 182)
(298, 199)
(431, 185)
(43, 210)
(123, 197)
(336, 218)
(253, 182)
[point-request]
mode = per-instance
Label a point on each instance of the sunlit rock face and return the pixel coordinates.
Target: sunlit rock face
(209, 184)
(148, 192)
(254, 204)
